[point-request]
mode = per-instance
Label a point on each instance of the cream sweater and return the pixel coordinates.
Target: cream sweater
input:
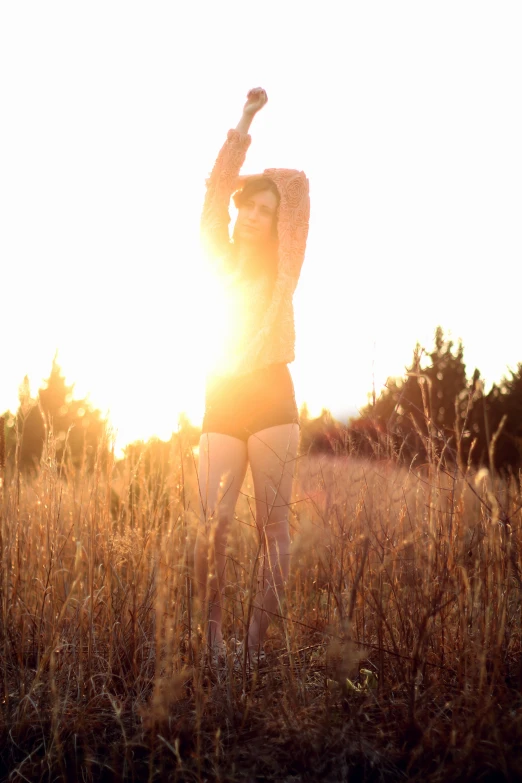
(262, 317)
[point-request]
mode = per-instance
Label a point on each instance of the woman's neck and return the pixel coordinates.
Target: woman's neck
(249, 258)
(248, 254)
(255, 260)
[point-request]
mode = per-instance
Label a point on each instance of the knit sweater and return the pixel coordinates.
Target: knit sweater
(261, 317)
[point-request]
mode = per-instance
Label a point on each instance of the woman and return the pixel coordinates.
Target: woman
(251, 415)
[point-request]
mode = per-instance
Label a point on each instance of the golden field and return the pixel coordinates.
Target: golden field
(397, 654)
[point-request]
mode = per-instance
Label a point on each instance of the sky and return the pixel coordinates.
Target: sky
(405, 116)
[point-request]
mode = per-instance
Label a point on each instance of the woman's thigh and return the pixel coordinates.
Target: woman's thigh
(222, 466)
(272, 453)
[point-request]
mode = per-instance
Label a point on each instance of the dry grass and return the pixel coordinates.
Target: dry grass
(398, 656)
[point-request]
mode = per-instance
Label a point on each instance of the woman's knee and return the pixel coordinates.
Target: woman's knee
(214, 528)
(221, 525)
(277, 532)
(217, 515)
(217, 530)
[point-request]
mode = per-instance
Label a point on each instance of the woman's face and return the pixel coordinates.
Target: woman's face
(255, 218)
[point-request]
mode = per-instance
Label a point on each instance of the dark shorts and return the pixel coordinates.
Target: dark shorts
(250, 403)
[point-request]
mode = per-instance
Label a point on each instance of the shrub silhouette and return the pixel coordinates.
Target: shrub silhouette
(77, 427)
(493, 435)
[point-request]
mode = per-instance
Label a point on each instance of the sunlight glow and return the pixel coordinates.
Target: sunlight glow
(215, 318)
(414, 162)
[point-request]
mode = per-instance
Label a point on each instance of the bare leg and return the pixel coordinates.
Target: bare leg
(272, 453)
(221, 469)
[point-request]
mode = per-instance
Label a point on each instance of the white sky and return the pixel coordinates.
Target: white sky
(405, 116)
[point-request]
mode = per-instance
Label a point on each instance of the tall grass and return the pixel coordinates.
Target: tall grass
(397, 655)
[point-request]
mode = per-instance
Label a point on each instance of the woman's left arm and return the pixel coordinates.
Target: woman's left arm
(293, 219)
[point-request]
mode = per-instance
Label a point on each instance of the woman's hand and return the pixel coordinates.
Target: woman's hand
(256, 99)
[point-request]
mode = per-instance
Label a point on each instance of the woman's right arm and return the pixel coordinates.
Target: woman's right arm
(223, 179)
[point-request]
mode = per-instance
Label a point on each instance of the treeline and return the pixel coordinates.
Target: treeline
(74, 429)
(432, 413)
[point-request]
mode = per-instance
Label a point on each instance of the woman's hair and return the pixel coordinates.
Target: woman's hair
(255, 185)
(267, 262)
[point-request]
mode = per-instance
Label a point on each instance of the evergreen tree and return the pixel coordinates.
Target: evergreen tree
(30, 429)
(75, 425)
(421, 410)
(493, 436)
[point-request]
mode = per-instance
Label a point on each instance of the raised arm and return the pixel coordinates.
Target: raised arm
(293, 220)
(223, 180)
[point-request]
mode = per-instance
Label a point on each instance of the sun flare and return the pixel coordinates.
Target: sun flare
(215, 320)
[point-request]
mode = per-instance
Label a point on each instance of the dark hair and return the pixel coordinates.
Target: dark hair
(255, 185)
(268, 259)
